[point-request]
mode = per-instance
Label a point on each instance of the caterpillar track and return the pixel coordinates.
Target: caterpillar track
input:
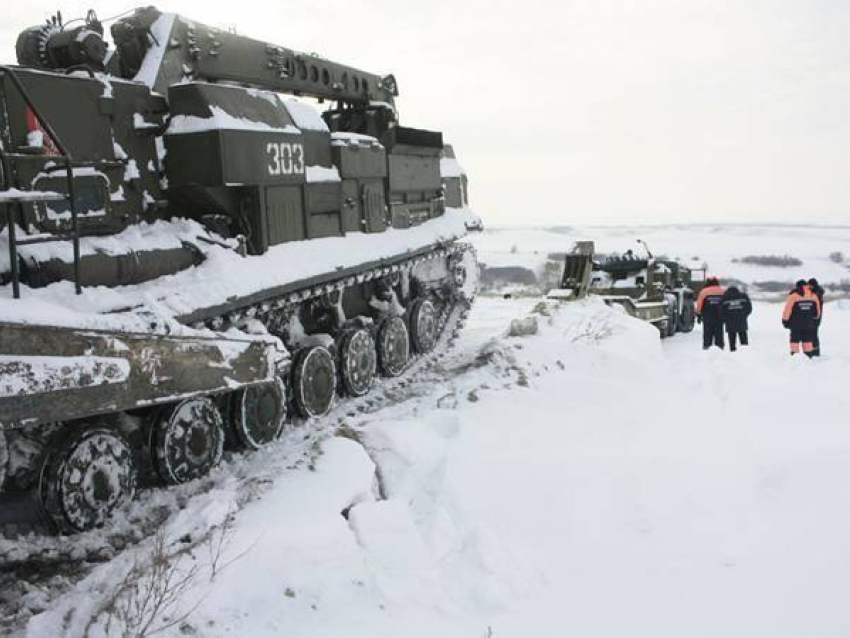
(413, 323)
(39, 560)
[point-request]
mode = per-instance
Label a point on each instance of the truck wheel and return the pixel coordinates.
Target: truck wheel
(358, 362)
(258, 414)
(672, 321)
(85, 477)
(688, 317)
(4, 459)
(188, 440)
(423, 325)
(393, 346)
(314, 381)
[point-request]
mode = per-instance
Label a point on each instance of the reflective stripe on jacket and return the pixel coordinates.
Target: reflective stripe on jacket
(735, 311)
(802, 311)
(709, 302)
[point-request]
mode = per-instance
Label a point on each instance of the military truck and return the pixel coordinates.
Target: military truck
(662, 292)
(192, 260)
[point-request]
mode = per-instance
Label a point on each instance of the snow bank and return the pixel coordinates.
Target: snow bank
(691, 491)
(531, 484)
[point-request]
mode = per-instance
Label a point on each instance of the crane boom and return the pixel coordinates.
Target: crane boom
(167, 49)
(163, 49)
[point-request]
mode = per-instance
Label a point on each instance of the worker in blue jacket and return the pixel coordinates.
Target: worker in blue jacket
(737, 307)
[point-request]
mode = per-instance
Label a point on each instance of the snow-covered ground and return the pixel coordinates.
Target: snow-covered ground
(717, 246)
(590, 480)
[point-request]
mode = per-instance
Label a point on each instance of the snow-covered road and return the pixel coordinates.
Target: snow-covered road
(587, 481)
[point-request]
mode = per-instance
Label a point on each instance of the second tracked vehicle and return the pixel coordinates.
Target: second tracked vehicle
(191, 260)
(662, 292)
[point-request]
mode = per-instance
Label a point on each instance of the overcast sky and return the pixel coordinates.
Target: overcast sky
(579, 112)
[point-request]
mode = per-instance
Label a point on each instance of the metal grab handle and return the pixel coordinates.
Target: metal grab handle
(7, 175)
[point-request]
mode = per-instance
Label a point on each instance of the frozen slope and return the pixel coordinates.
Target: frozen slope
(587, 481)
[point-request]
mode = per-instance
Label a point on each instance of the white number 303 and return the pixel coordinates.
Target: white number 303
(285, 158)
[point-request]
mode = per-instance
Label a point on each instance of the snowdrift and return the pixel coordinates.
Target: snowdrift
(525, 486)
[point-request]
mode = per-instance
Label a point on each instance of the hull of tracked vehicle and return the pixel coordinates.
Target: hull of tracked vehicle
(104, 372)
(244, 163)
(191, 263)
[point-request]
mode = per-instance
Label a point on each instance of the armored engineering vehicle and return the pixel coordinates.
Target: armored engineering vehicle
(662, 292)
(191, 260)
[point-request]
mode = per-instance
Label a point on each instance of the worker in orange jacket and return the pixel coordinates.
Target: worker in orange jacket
(710, 313)
(801, 316)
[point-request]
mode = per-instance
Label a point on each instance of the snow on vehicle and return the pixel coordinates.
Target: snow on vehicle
(190, 259)
(660, 291)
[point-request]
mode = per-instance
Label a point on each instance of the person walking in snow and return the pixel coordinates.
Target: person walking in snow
(801, 316)
(818, 290)
(710, 313)
(736, 308)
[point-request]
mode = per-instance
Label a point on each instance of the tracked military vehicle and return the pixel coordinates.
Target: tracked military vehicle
(662, 292)
(191, 260)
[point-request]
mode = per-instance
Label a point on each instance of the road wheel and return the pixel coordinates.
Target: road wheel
(393, 346)
(85, 477)
(358, 361)
(687, 319)
(314, 381)
(423, 326)
(188, 440)
(258, 414)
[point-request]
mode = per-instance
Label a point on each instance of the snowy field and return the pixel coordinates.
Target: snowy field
(716, 246)
(590, 480)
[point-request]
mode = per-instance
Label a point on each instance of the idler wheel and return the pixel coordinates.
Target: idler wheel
(393, 346)
(423, 325)
(87, 476)
(358, 361)
(314, 381)
(4, 458)
(187, 440)
(258, 414)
